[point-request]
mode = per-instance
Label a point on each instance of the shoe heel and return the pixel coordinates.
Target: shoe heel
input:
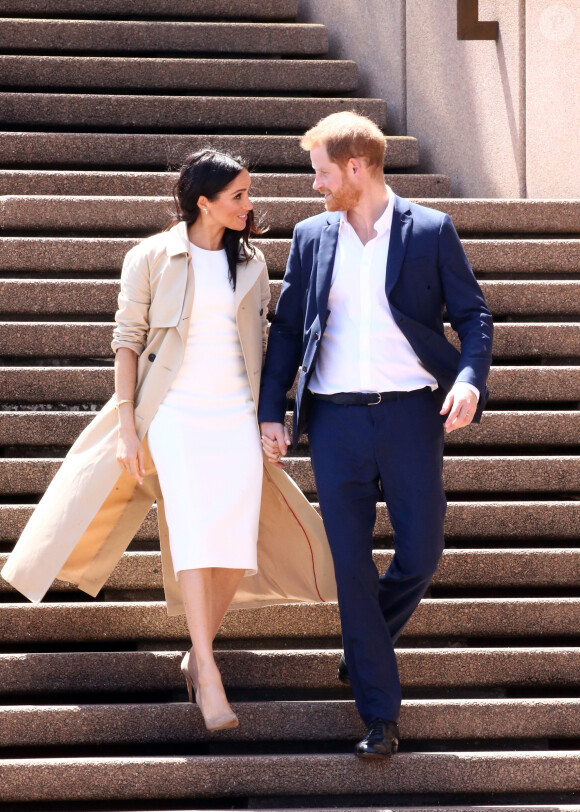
(191, 689)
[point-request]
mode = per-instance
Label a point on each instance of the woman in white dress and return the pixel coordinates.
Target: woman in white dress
(204, 439)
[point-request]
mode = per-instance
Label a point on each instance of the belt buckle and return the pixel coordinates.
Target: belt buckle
(376, 403)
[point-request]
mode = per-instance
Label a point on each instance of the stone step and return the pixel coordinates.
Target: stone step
(501, 428)
(159, 184)
(158, 151)
(105, 254)
(203, 114)
(338, 720)
(206, 776)
(143, 9)
(519, 568)
(525, 341)
(69, 384)
(193, 75)
(478, 522)
(143, 215)
(522, 474)
(149, 671)
(161, 37)
(148, 620)
(99, 297)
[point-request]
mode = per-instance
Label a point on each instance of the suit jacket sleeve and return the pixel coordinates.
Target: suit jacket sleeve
(466, 308)
(284, 342)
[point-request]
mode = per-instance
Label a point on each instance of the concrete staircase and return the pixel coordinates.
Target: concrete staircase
(99, 98)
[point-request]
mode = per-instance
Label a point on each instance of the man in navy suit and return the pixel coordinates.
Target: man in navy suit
(361, 316)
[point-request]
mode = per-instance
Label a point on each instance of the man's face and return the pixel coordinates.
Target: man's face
(333, 181)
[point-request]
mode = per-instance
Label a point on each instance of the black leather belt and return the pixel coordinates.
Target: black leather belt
(366, 398)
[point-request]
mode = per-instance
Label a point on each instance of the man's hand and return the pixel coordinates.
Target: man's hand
(462, 401)
(275, 442)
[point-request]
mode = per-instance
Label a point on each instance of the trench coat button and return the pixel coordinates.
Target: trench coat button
(261, 311)
(151, 356)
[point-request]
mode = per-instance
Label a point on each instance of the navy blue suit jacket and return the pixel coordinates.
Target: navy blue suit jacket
(427, 271)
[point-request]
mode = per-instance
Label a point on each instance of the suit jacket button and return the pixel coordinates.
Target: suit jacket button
(151, 356)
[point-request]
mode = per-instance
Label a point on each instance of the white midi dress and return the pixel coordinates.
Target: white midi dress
(204, 438)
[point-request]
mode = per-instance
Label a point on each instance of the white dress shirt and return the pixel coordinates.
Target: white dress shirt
(362, 349)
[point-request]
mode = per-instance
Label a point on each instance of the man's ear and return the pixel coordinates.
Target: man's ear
(354, 165)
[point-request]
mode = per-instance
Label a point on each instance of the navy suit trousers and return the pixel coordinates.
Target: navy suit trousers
(360, 455)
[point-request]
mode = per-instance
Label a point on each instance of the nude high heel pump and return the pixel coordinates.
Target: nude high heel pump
(222, 722)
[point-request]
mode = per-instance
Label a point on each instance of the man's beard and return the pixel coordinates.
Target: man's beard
(343, 199)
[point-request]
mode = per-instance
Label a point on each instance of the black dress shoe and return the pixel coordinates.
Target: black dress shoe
(342, 673)
(381, 741)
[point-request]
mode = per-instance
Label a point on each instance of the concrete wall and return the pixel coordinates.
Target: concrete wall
(502, 119)
(372, 32)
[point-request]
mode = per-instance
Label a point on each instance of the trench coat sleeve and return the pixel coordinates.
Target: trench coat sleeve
(132, 317)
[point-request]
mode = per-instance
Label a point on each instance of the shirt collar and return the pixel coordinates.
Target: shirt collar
(383, 224)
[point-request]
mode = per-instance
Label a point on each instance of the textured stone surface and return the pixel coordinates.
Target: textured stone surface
(161, 151)
(201, 113)
(525, 474)
(143, 671)
(511, 216)
(514, 521)
(66, 296)
(457, 568)
(179, 722)
(140, 620)
(170, 38)
(535, 384)
(208, 775)
(526, 341)
(159, 184)
(242, 75)
(69, 384)
(92, 254)
(146, 214)
(221, 9)
(517, 428)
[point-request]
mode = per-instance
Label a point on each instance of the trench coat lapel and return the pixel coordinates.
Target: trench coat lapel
(247, 275)
(400, 231)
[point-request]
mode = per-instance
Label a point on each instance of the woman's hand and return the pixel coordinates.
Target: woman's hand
(275, 442)
(131, 454)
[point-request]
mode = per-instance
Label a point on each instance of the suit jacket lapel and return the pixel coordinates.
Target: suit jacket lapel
(400, 231)
(325, 265)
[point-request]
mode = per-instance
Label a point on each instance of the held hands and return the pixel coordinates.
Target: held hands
(275, 442)
(462, 401)
(131, 454)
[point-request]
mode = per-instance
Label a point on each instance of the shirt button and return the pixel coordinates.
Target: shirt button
(151, 356)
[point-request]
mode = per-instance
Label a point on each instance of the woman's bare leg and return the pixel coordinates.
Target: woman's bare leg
(207, 594)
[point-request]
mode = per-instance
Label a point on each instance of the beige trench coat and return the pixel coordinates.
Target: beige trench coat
(92, 509)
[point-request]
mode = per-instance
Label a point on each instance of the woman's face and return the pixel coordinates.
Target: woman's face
(230, 208)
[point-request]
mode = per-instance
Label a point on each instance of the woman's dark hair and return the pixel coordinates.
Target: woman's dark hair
(207, 173)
